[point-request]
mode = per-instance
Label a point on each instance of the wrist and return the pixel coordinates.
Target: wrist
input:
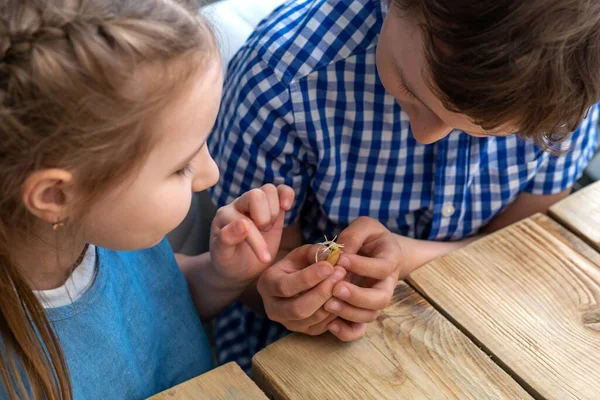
(224, 281)
(411, 251)
(201, 268)
(417, 253)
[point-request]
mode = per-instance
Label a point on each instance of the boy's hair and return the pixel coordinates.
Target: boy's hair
(71, 97)
(533, 65)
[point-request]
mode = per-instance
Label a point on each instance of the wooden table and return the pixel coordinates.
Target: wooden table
(515, 315)
(228, 382)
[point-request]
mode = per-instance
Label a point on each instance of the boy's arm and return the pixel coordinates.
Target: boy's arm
(420, 252)
(524, 206)
(551, 183)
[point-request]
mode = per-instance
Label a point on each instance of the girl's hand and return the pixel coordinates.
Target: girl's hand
(372, 257)
(245, 234)
(295, 289)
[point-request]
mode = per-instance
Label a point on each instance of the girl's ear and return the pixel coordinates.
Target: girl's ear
(48, 194)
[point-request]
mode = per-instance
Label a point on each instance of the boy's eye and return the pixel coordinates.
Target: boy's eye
(407, 92)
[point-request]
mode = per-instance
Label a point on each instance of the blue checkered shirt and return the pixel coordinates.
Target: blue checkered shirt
(303, 105)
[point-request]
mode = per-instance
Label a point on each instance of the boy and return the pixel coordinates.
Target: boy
(441, 119)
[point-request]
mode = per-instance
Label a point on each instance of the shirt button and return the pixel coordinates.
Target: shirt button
(448, 210)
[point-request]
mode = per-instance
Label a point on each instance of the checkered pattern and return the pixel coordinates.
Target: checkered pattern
(304, 106)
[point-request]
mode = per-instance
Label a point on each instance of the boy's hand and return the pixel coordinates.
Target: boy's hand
(372, 255)
(295, 289)
(245, 234)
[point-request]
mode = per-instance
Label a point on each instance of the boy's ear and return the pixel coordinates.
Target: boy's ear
(48, 194)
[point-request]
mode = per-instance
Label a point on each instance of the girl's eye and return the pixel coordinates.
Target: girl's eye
(185, 171)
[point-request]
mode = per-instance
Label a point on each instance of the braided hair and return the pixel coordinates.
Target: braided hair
(72, 96)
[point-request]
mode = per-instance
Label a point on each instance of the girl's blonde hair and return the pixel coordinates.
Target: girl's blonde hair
(69, 98)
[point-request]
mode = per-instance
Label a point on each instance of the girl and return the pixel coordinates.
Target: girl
(105, 108)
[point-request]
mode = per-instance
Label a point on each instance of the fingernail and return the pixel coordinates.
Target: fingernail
(334, 306)
(324, 271)
(267, 256)
(334, 328)
(337, 276)
(342, 293)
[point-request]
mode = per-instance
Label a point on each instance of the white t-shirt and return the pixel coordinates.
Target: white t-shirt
(76, 285)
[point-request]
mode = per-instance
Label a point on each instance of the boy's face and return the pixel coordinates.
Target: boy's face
(403, 71)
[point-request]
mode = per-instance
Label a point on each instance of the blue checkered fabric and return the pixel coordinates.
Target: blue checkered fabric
(303, 105)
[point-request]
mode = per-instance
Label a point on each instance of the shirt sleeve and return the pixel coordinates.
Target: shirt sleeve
(254, 141)
(558, 173)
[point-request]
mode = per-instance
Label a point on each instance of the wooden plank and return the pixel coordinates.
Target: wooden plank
(411, 352)
(580, 212)
(227, 382)
(529, 295)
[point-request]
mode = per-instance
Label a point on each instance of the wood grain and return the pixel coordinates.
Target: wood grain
(227, 382)
(580, 212)
(411, 352)
(529, 295)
